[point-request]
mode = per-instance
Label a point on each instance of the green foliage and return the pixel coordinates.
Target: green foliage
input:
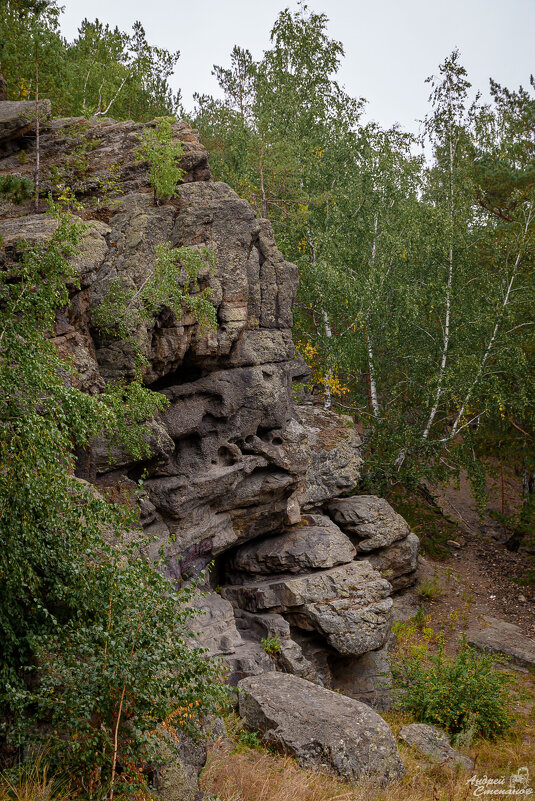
(429, 590)
(129, 664)
(94, 638)
(415, 302)
(172, 283)
(15, 188)
(163, 153)
(103, 71)
(249, 739)
(465, 693)
(271, 645)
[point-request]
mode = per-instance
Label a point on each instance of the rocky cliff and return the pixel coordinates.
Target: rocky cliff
(238, 474)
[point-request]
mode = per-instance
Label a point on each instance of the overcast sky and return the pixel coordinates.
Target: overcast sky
(391, 46)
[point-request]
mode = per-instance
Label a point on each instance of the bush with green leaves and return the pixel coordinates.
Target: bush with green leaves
(271, 645)
(16, 188)
(95, 649)
(173, 283)
(461, 693)
(163, 154)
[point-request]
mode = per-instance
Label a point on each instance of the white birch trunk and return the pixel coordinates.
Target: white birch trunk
(494, 334)
(447, 320)
(373, 386)
(327, 398)
(369, 342)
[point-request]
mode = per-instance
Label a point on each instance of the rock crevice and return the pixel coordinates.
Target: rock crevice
(236, 472)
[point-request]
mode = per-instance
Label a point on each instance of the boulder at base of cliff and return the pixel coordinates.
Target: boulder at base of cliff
(433, 743)
(320, 728)
(500, 637)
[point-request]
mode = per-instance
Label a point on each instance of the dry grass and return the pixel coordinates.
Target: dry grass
(240, 774)
(33, 784)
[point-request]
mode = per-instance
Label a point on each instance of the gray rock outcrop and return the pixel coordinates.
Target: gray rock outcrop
(433, 743)
(500, 637)
(314, 544)
(236, 474)
(17, 118)
(349, 605)
(370, 520)
(320, 728)
(380, 535)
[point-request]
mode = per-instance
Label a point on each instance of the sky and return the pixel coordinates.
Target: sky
(391, 46)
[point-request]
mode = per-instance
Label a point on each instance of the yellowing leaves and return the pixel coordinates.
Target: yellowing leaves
(333, 383)
(307, 350)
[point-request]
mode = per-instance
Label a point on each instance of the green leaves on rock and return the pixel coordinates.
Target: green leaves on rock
(94, 638)
(163, 154)
(173, 283)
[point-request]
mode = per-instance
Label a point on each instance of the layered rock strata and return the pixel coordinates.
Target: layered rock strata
(237, 474)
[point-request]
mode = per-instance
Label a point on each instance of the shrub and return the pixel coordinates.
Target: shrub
(15, 188)
(249, 739)
(271, 645)
(461, 693)
(163, 154)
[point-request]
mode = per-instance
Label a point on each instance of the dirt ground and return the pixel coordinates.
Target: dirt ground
(479, 579)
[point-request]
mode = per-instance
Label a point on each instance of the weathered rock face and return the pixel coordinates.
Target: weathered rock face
(370, 520)
(380, 535)
(349, 605)
(367, 678)
(433, 743)
(316, 543)
(236, 471)
(18, 118)
(320, 728)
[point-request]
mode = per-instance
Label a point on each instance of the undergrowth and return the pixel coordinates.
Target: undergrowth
(464, 694)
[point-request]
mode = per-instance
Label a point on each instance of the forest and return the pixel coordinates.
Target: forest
(415, 306)
(415, 315)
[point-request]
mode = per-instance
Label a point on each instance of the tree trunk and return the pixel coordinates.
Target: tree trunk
(447, 321)
(37, 143)
(327, 398)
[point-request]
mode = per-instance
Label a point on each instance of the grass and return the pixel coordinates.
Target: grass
(429, 590)
(236, 772)
(240, 774)
(32, 783)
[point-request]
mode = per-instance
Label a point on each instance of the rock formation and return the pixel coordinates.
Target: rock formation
(320, 728)
(238, 474)
(434, 744)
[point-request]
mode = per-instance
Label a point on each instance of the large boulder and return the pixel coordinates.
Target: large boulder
(370, 520)
(320, 728)
(397, 562)
(315, 543)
